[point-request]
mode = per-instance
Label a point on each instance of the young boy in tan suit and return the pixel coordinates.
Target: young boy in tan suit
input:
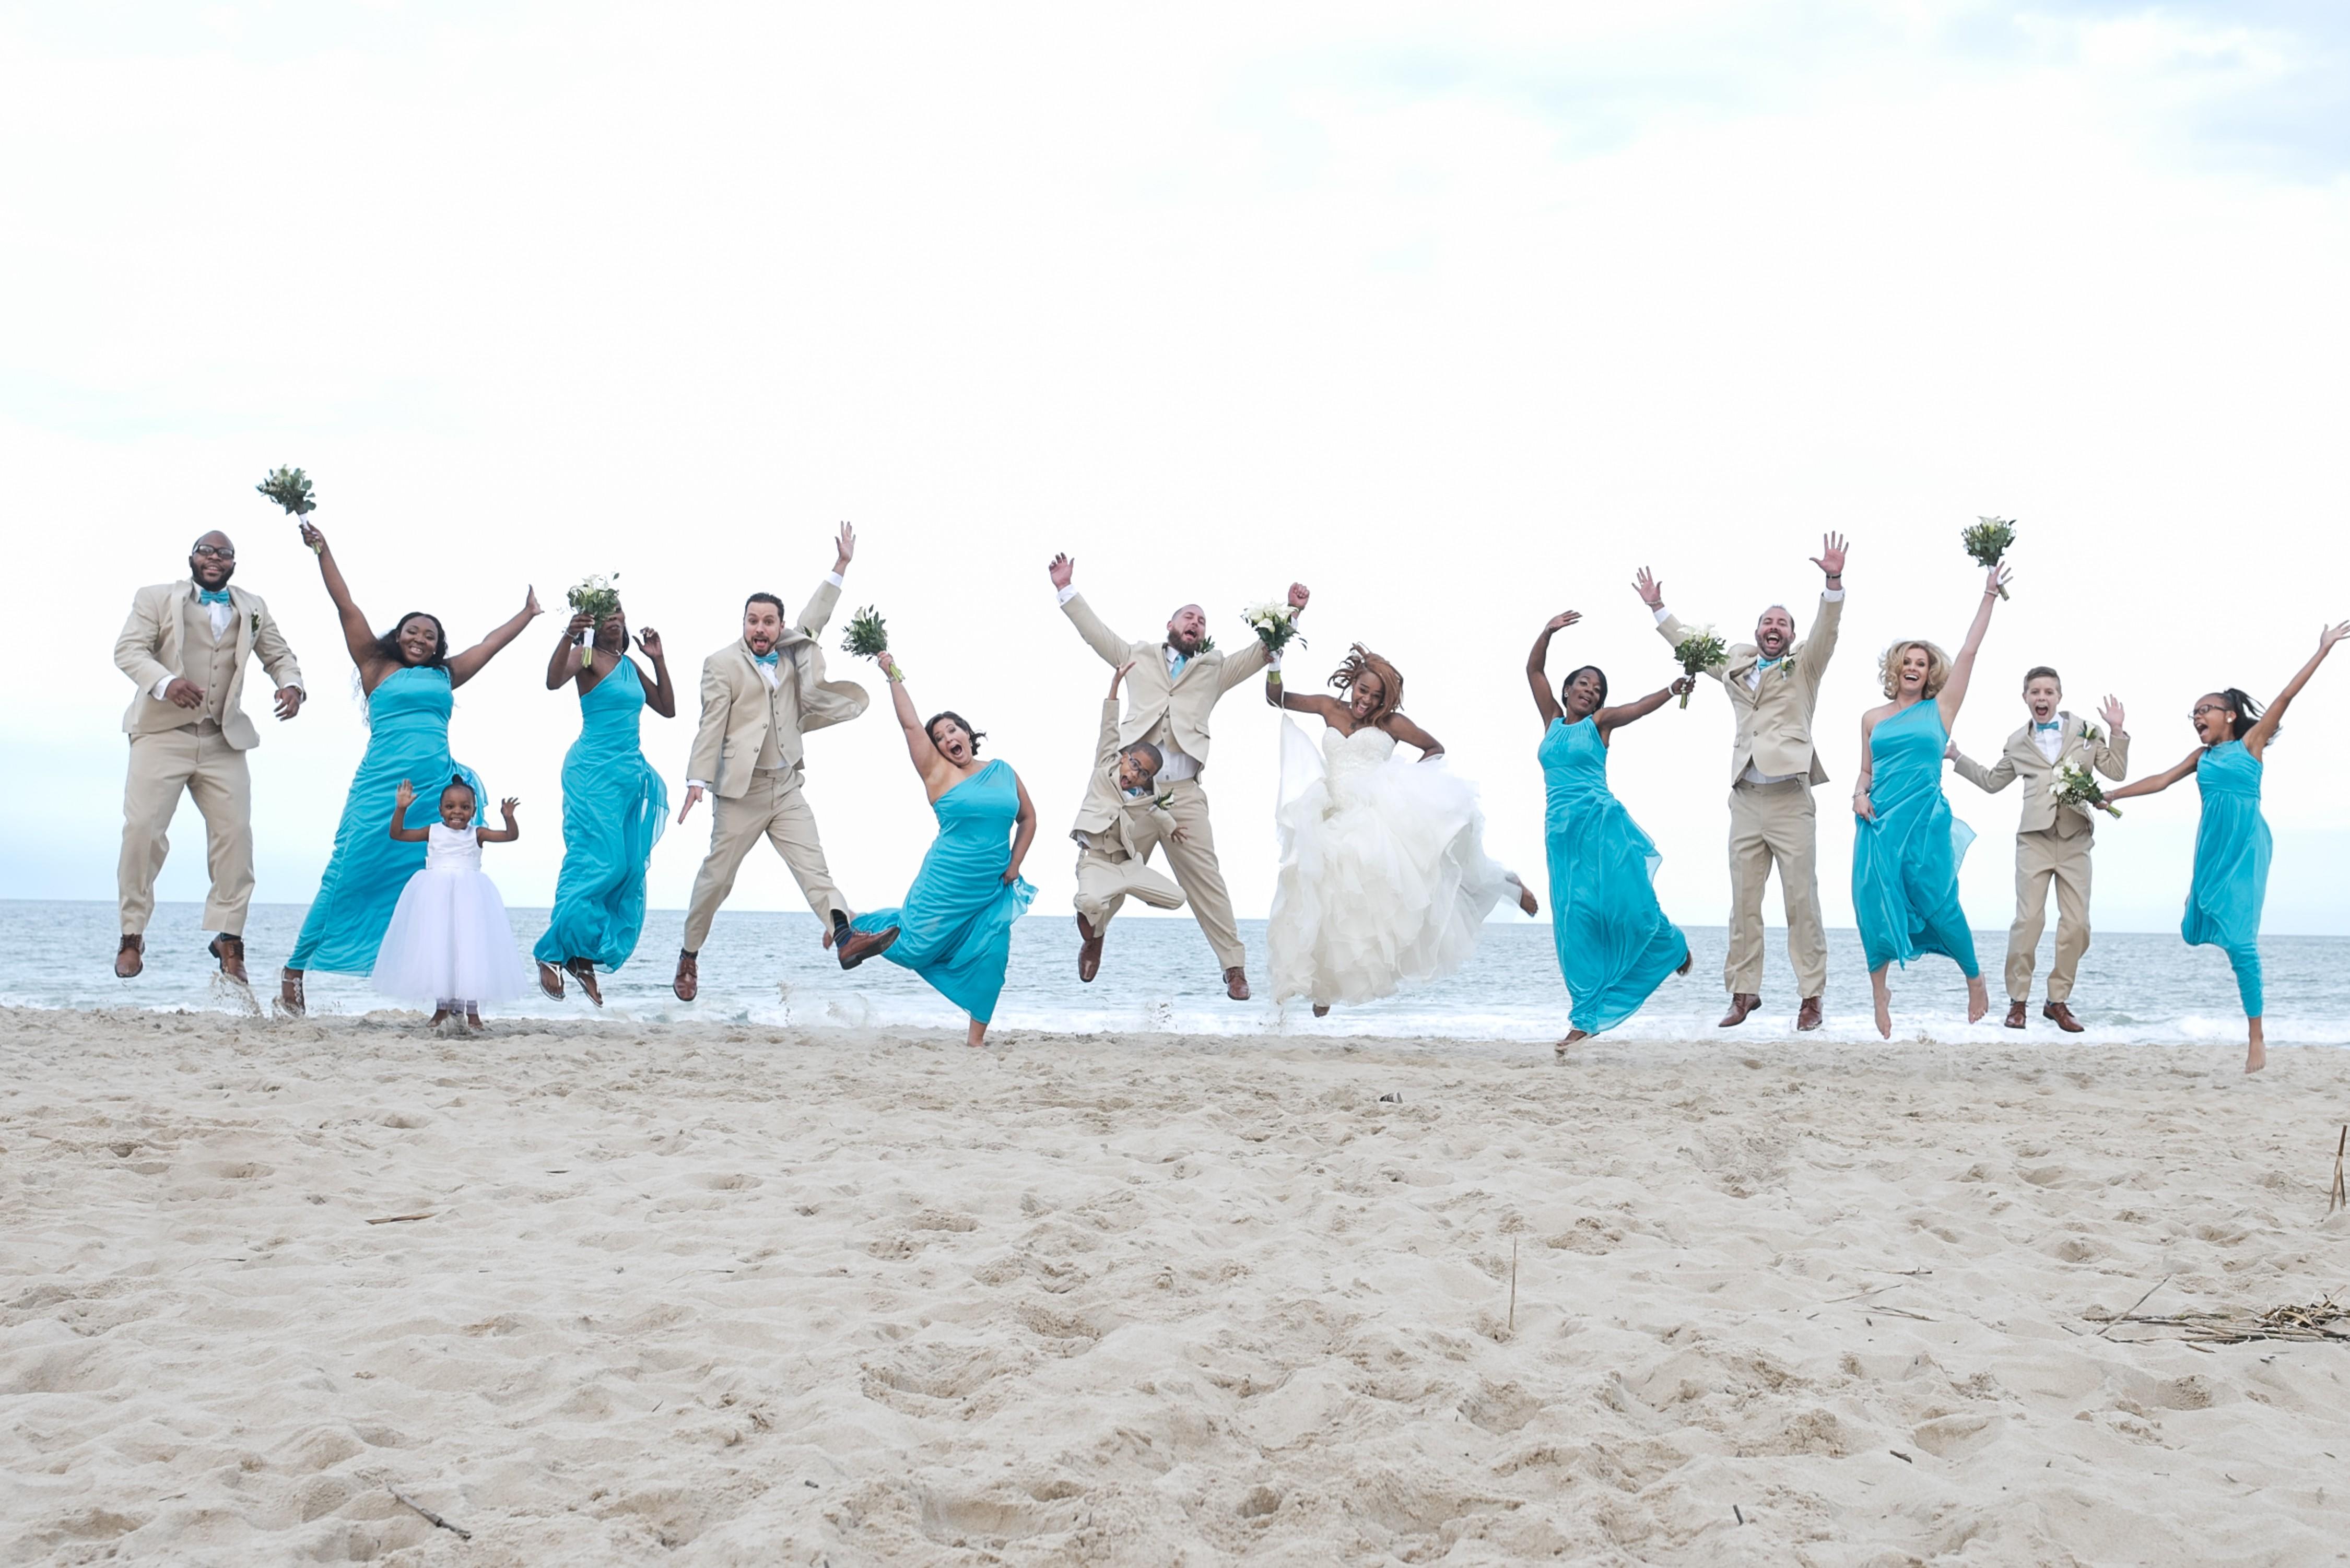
(2051, 842)
(760, 694)
(1773, 684)
(1174, 685)
(1113, 830)
(185, 646)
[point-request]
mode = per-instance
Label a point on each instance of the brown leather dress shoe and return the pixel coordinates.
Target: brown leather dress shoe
(2015, 1015)
(129, 959)
(2062, 1015)
(1807, 1016)
(1742, 1002)
(1090, 946)
(1237, 983)
(687, 983)
(858, 946)
(229, 952)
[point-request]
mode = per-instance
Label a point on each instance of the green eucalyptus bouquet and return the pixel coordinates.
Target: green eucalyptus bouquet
(1988, 540)
(869, 637)
(290, 488)
(1699, 650)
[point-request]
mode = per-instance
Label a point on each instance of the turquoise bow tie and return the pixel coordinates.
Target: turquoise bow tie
(212, 595)
(2051, 724)
(769, 657)
(1767, 663)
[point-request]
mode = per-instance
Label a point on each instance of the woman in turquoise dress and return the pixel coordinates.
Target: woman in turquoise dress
(954, 929)
(614, 804)
(408, 676)
(2231, 840)
(1615, 945)
(1907, 846)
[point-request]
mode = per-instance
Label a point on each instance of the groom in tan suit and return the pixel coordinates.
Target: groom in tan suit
(1773, 684)
(760, 695)
(2051, 842)
(185, 646)
(1173, 689)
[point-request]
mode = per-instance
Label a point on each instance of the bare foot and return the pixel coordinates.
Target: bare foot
(2256, 1054)
(1883, 994)
(1573, 1037)
(472, 1019)
(1978, 999)
(439, 1016)
(978, 1034)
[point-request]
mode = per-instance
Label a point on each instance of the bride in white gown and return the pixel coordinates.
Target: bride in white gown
(1383, 876)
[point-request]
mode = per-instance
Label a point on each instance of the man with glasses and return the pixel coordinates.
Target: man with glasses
(185, 648)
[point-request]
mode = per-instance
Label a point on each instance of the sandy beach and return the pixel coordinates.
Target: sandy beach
(713, 1294)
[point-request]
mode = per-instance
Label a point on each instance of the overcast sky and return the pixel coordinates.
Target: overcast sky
(1459, 314)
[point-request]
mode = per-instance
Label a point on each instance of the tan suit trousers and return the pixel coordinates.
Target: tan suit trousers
(2057, 855)
(1193, 861)
(774, 809)
(1774, 824)
(199, 760)
(1108, 876)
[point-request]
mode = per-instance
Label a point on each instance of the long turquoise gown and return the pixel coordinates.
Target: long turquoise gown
(1615, 945)
(614, 806)
(1905, 865)
(407, 738)
(2231, 865)
(955, 927)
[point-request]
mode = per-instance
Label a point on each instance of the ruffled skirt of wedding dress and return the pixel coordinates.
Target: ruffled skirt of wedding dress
(1384, 883)
(450, 940)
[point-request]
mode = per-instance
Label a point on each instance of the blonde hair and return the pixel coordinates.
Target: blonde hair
(1938, 667)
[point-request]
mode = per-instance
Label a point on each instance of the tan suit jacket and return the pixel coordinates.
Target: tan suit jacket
(1775, 720)
(734, 700)
(2021, 758)
(1183, 700)
(151, 648)
(1102, 822)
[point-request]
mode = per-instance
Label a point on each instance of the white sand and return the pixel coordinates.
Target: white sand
(752, 1297)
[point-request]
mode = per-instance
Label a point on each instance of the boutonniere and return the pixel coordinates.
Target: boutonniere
(2091, 735)
(257, 623)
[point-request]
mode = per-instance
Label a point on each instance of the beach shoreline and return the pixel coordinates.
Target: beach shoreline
(599, 1290)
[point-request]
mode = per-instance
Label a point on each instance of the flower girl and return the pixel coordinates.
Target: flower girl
(449, 939)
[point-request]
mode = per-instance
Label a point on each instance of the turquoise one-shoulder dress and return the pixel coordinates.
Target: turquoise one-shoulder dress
(614, 806)
(1905, 865)
(2231, 866)
(1615, 945)
(407, 738)
(954, 929)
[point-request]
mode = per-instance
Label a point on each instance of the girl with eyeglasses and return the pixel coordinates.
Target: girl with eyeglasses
(2231, 841)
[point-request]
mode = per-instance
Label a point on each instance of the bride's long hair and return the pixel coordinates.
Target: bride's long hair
(1362, 661)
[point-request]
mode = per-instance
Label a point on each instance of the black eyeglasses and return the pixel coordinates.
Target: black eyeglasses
(216, 551)
(2207, 707)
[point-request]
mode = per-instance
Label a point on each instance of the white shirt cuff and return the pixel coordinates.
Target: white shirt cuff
(835, 579)
(1067, 594)
(162, 686)
(1831, 596)
(1661, 613)
(697, 784)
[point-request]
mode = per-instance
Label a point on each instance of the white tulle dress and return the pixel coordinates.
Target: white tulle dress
(1383, 876)
(449, 939)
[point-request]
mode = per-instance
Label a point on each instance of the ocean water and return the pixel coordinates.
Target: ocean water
(1158, 974)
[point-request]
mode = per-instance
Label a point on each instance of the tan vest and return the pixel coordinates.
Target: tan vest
(210, 662)
(781, 748)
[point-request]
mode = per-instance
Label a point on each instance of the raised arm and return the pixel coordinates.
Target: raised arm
(2110, 754)
(1023, 832)
(1612, 719)
(1953, 694)
(359, 639)
(1114, 650)
(1820, 642)
(660, 694)
(563, 663)
(826, 598)
(933, 769)
(2155, 784)
(1239, 667)
(468, 664)
(509, 833)
(404, 797)
(2264, 727)
(1538, 663)
(1411, 734)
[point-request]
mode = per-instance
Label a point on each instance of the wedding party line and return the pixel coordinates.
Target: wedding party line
(1384, 883)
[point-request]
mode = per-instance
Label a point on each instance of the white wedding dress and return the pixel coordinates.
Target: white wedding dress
(449, 939)
(1383, 875)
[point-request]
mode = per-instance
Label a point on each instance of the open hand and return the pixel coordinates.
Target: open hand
(530, 606)
(692, 797)
(1830, 560)
(405, 795)
(2112, 715)
(289, 702)
(1061, 568)
(649, 641)
(2328, 636)
(1562, 621)
(843, 549)
(507, 807)
(1651, 592)
(185, 693)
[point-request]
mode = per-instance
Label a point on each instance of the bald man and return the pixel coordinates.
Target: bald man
(1175, 685)
(185, 648)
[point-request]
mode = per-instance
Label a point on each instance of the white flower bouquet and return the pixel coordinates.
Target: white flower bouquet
(1275, 624)
(2073, 785)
